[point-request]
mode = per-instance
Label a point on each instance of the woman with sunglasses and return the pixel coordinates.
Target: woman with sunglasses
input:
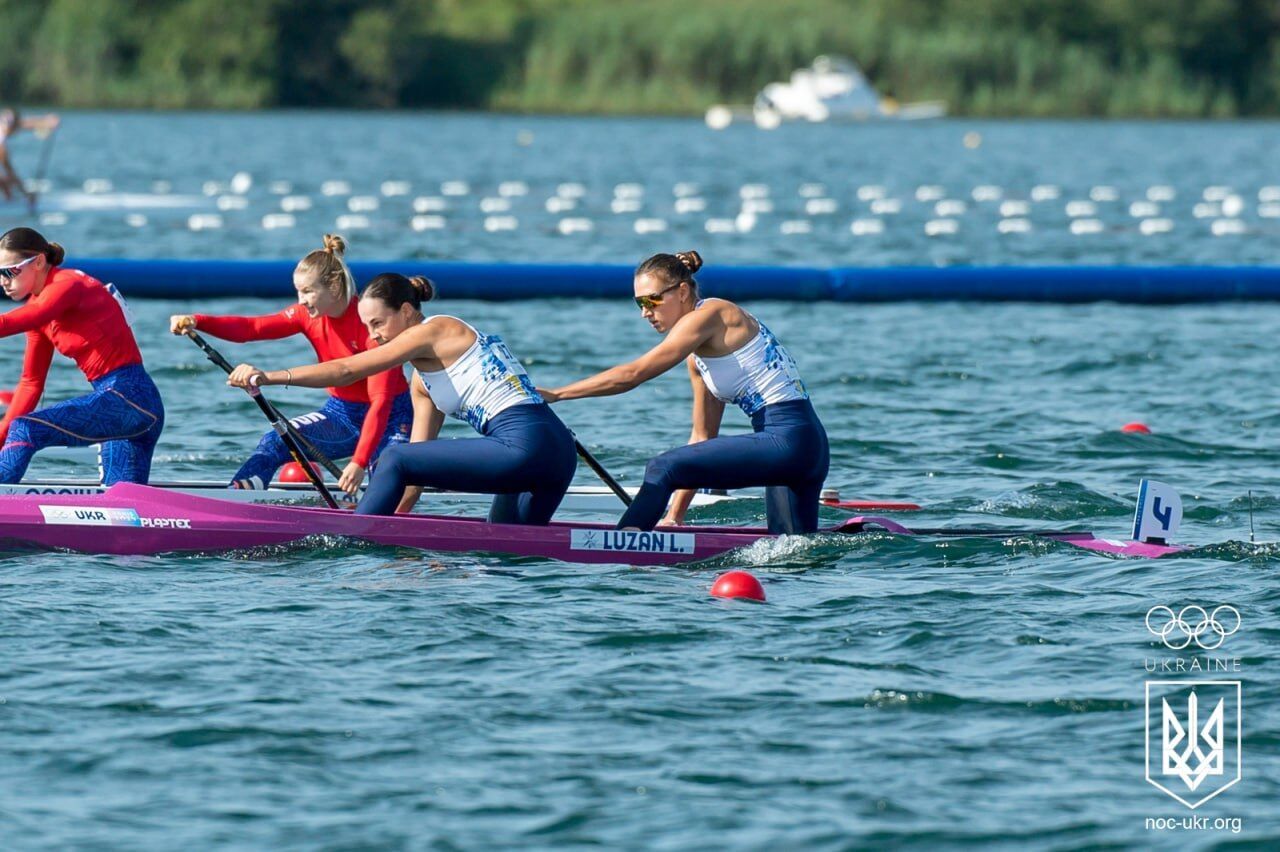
(360, 419)
(66, 311)
(526, 456)
(732, 358)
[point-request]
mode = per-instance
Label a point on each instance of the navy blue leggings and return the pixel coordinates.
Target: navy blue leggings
(787, 453)
(526, 458)
(124, 415)
(334, 430)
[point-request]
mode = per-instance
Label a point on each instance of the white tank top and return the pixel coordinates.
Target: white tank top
(485, 381)
(759, 373)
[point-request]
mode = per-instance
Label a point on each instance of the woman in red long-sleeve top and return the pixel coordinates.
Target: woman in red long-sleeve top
(69, 312)
(360, 419)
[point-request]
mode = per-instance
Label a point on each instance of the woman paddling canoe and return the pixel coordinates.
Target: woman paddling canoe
(526, 456)
(362, 417)
(69, 312)
(732, 358)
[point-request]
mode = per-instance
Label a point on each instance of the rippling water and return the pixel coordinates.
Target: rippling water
(892, 693)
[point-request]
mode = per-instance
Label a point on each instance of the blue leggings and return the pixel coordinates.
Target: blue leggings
(787, 453)
(124, 415)
(334, 430)
(526, 458)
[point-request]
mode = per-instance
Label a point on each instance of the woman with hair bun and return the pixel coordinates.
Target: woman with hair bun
(732, 358)
(362, 417)
(525, 457)
(69, 312)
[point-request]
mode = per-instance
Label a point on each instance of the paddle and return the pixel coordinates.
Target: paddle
(604, 475)
(293, 440)
(46, 153)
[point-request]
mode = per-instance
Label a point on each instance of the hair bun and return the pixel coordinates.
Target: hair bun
(335, 244)
(691, 259)
(425, 286)
(56, 254)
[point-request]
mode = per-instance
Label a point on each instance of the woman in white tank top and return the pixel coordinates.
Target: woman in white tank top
(526, 456)
(732, 358)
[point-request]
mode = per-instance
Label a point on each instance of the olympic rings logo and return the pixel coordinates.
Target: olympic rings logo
(1193, 624)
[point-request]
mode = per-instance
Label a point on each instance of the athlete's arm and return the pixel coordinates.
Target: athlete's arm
(242, 329)
(708, 413)
(688, 334)
(35, 369)
(427, 420)
(55, 300)
(416, 342)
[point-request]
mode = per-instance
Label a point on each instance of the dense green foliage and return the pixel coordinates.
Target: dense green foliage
(984, 57)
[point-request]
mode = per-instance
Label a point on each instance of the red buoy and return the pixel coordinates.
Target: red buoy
(6, 397)
(293, 472)
(738, 584)
(1135, 426)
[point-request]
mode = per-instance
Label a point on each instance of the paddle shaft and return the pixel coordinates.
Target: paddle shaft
(604, 475)
(46, 153)
(216, 357)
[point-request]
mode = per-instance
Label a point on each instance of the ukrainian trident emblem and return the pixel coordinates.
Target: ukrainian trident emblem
(1199, 742)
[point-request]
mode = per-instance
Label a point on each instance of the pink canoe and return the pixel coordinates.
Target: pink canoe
(137, 519)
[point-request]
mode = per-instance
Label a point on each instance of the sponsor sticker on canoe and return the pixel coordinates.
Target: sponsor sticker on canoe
(90, 516)
(631, 541)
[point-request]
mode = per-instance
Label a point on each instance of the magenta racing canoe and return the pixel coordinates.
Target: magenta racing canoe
(138, 519)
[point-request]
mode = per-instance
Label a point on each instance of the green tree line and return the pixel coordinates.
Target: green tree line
(1181, 58)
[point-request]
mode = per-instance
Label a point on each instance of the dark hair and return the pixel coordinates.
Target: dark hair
(396, 290)
(673, 269)
(29, 243)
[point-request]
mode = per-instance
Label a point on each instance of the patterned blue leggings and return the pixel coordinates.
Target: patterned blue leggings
(124, 415)
(334, 430)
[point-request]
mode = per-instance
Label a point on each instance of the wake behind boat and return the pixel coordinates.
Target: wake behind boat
(142, 520)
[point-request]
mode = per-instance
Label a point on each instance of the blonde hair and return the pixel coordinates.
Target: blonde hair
(326, 265)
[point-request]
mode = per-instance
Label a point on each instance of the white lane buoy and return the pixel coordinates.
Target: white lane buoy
(820, 206)
(744, 223)
(1086, 226)
(275, 221)
(211, 188)
(279, 187)
(241, 182)
(796, 226)
(753, 190)
(494, 224)
(455, 188)
(949, 207)
(1014, 226)
(96, 186)
(690, 205)
(1081, 209)
(1149, 227)
(513, 188)
(628, 190)
(1045, 192)
(756, 205)
(136, 220)
(685, 189)
(1227, 227)
(987, 192)
(53, 220)
(1269, 194)
(295, 203)
(394, 188)
(495, 205)
(335, 187)
(720, 226)
(1014, 209)
(232, 202)
(524, 138)
(576, 225)
(571, 189)
(560, 204)
(1270, 210)
(941, 227)
(1216, 193)
(1161, 193)
(1232, 206)
(871, 193)
(429, 204)
(204, 222)
(886, 206)
(718, 117)
(427, 223)
(650, 226)
(352, 222)
(931, 192)
(1206, 210)
(866, 227)
(1104, 193)
(812, 190)
(1144, 209)
(362, 203)
(625, 205)
(159, 187)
